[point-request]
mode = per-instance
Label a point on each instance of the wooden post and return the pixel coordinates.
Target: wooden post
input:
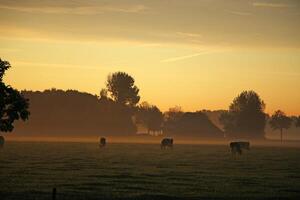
(2, 141)
(281, 135)
(54, 194)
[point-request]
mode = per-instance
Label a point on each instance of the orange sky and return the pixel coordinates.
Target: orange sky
(196, 54)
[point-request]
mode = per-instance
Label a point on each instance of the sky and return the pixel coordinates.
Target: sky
(197, 54)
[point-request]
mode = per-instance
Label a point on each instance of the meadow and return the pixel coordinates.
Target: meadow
(29, 170)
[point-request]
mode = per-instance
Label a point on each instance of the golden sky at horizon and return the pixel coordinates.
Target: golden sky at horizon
(198, 54)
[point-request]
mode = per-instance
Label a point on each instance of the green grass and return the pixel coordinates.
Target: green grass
(144, 171)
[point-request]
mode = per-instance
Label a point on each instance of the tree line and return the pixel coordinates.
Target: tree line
(246, 117)
(118, 111)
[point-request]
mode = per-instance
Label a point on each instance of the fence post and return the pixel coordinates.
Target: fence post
(54, 194)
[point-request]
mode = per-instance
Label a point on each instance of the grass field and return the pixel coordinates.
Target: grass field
(144, 171)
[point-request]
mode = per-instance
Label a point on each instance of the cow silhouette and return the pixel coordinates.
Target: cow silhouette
(237, 147)
(2, 141)
(102, 142)
(166, 142)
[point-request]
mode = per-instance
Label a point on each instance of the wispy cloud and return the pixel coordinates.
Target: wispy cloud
(173, 59)
(80, 10)
(6, 50)
(271, 5)
(145, 44)
(56, 65)
(239, 13)
(191, 35)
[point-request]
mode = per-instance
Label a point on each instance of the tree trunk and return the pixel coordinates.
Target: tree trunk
(281, 135)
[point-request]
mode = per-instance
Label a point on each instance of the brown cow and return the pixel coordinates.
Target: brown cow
(237, 147)
(102, 142)
(166, 142)
(2, 141)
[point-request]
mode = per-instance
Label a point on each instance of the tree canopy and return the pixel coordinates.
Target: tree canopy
(245, 117)
(121, 88)
(70, 112)
(280, 121)
(171, 117)
(195, 124)
(13, 106)
(150, 116)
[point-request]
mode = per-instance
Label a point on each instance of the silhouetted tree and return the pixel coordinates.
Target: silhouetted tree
(13, 106)
(280, 121)
(104, 95)
(195, 124)
(214, 116)
(173, 113)
(297, 121)
(150, 116)
(62, 113)
(227, 119)
(245, 117)
(171, 117)
(122, 90)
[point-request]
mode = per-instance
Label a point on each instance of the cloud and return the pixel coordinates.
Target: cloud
(271, 5)
(79, 10)
(173, 59)
(191, 35)
(145, 44)
(239, 13)
(290, 74)
(56, 65)
(6, 50)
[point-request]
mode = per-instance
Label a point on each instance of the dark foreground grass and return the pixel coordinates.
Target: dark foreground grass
(144, 171)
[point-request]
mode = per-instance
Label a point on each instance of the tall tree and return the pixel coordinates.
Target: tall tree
(150, 116)
(122, 89)
(245, 117)
(13, 106)
(280, 121)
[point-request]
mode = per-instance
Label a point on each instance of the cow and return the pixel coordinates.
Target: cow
(102, 142)
(237, 147)
(2, 141)
(166, 142)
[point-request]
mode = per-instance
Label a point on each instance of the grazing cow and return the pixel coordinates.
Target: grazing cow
(166, 142)
(102, 142)
(1, 141)
(237, 147)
